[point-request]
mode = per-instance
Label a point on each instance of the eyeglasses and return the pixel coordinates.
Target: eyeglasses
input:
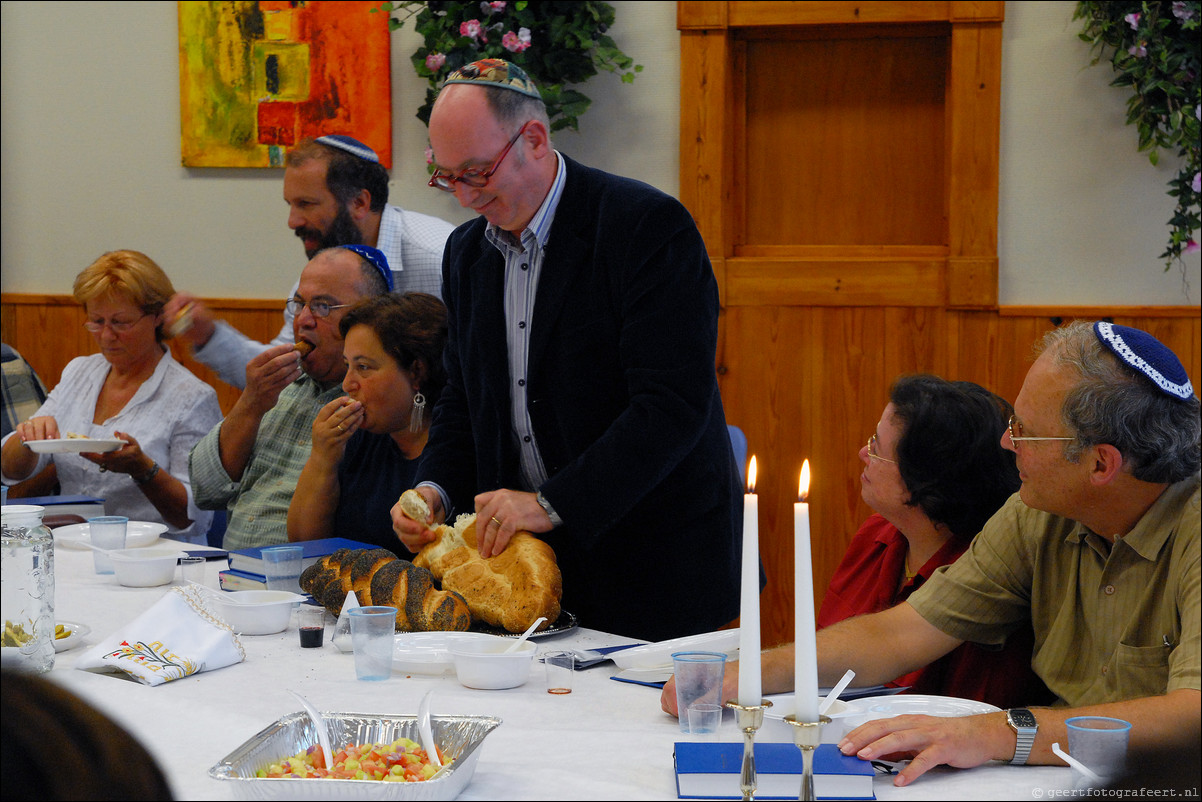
(118, 326)
(872, 444)
(473, 178)
(318, 308)
(1016, 435)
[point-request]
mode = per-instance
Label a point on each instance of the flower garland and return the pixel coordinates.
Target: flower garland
(556, 43)
(1155, 52)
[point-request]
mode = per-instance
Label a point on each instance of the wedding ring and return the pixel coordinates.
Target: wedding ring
(341, 428)
(496, 521)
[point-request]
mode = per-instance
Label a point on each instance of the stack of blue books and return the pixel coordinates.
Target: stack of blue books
(246, 565)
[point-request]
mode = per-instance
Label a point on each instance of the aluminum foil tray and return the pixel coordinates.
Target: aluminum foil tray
(460, 738)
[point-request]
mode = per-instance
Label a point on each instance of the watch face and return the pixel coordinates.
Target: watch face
(1021, 717)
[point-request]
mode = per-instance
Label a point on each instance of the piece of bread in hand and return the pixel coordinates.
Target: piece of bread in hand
(510, 590)
(415, 507)
(303, 347)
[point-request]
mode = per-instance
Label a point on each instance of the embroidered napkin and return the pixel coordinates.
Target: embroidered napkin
(176, 637)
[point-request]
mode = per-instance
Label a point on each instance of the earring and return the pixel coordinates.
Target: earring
(417, 415)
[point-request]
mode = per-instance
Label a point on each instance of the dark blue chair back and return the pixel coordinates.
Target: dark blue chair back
(738, 441)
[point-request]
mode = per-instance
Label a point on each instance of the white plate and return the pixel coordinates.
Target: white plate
(873, 707)
(73, 445)
(659, 655)
(425, 652)
(74, 638)
(137, 534)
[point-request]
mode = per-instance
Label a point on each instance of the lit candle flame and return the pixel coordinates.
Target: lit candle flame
(803, 483)
(751, 475)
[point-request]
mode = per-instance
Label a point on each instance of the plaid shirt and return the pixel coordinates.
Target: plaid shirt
(258, 504)
(23, 390)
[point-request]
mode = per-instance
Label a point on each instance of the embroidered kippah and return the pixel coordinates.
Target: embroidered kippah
(495, 72)
(1148, 355)
(376, 257)
(350, 145)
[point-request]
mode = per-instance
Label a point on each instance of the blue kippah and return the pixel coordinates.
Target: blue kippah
(376, 257)
(1147, 355)
(350, 145)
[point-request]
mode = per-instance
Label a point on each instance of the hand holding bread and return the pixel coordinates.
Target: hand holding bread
(413, 518)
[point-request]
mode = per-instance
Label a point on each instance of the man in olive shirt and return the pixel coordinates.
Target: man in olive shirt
(1099, 550)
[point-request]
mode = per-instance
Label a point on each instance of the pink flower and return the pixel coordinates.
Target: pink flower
(472, 29)
(497, 6)
(429, 155)
(514, 42)
(434, 61)
(1192, 247)
(1182, 12)
(1132, 20)
(1139, 51)
(1197, 185)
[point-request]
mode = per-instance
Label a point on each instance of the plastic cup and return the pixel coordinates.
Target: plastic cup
(4, 493)
(1101, 744)
(704, 718)
(373, 632)
(311, 623)
(192, 569)
(282, 566)
(560, 667)
(106, 532)
(698, 681)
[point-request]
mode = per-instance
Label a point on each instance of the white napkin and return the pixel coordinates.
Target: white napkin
(342, 629)
(176, 637)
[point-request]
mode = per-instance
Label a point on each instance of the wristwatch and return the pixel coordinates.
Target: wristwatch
(1024, 723)
(547, 508)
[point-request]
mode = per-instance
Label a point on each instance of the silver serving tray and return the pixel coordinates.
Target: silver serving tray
(565, 623)
(459, 737)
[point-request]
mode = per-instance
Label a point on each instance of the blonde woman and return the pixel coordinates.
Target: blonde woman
(134, 391)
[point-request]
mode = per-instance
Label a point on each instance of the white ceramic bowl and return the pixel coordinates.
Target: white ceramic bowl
(257, 612)
(481, 662)
(144, 568)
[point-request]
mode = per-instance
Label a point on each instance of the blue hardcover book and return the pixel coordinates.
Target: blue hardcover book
(233, 579)
(708, 770)
(251, 560)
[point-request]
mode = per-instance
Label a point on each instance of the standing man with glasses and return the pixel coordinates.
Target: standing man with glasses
(337, 194)
(582, 403)
(1098, 550)
(249, 463)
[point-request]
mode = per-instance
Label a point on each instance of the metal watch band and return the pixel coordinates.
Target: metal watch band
(547, 508)
(1025, 726)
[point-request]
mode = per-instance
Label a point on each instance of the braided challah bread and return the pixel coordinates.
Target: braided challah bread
(510, 590)
(377, 576)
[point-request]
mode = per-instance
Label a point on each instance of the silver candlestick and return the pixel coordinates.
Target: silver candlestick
(807, 735)
(749, 718)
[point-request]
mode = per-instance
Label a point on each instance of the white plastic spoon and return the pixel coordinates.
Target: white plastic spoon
(833, 696)
(513, 647)
(319, 724)
(426, 731)
(1076, 764)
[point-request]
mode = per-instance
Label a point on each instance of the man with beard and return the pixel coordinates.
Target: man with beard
(337, 193)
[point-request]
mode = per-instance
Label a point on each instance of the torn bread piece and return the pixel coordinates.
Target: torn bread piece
(415, 507)
(303, 347)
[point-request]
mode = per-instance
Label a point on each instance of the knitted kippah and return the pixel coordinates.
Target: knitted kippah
(350, 145)
(1148, 355)
(376, 257)
(495, 72)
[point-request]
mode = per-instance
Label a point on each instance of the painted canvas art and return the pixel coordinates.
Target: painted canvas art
(257, 77)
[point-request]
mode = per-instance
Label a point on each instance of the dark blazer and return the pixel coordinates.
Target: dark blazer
(624, 402)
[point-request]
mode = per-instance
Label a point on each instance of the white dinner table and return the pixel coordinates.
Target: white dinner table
(604, 740)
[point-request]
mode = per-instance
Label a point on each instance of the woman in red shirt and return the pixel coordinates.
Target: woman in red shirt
(934, 472)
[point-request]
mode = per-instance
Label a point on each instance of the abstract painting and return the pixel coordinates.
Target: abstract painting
(258, 77)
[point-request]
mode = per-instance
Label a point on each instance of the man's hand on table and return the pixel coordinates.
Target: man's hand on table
(931, 741)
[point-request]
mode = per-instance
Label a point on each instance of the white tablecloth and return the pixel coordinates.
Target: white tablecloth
(605, 740)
